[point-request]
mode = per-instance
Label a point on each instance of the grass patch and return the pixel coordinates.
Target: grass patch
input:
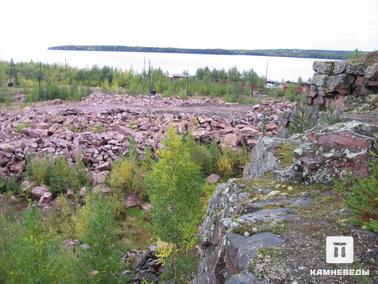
(20, 127)
(133, 229)
(96, 128)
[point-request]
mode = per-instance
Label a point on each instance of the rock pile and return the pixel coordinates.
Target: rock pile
(143, 101)
(145, 266)
(100, 134)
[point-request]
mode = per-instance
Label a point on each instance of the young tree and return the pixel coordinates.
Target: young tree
(175, 186)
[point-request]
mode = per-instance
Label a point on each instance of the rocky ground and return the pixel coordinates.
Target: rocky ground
(101, 126)
(271, 226)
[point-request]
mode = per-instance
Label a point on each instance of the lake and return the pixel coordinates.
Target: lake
(279, 68)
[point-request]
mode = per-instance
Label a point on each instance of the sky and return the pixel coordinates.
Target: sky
(239, 24)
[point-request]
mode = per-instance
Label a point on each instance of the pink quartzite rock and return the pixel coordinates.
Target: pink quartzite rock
(344, 138)
(38, 191)
(232, 140)
(213, 178)
(333, 151)
(99, 178)
(17, 167)
(271, 126)
(46, 198)
(132, 200)
(146, 206)
(70, 194)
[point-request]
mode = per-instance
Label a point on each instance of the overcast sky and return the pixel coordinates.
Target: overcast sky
(317, 24)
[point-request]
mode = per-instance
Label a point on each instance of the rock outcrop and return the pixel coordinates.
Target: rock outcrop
(338, 84)
(316, 156)
(331, 152)
(270, 226)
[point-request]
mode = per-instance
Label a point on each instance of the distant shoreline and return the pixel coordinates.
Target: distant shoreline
(296, 53)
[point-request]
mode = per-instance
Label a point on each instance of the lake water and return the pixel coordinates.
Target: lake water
(279, 68)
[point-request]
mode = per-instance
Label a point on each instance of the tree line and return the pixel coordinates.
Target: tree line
(301, 53)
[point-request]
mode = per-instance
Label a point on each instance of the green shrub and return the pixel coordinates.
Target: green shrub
(55, 90)
(290, 93)
(204, 155)
(127, 176)
(230, 98)
(231, 162)
(32, 253)
(329, 117)
(244, 100)
(362, 196)
(363, 199)
(180, 266)
(302, 119)
(57, 174)
(95, 228)
(207, 192)
(11, 185)
(5, 97)
(62, 218)
(224, 166)
(211, 160)
(96, 128)
(20, 127)
(174, 188)
(37, 168)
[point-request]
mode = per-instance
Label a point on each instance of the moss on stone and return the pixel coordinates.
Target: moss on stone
(265, 181)
(274, 227)
(269, 260)
(285, 153)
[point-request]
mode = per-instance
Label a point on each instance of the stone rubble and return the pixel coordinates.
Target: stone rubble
(145, 266)
(100, 128)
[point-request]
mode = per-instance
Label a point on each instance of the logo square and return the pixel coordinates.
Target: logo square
(339, 249)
